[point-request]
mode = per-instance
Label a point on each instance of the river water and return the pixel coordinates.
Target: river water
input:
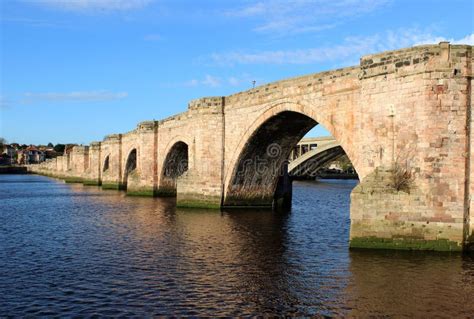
(71, 250)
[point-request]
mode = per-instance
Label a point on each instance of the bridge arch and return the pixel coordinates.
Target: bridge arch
(257, 173)
(175, 164)
(130, 166)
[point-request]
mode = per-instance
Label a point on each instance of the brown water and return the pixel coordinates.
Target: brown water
(69, 250)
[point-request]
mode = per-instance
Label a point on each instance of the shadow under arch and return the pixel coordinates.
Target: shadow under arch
(175, 165)
(259, 174)
(130, 167)
(106, 165)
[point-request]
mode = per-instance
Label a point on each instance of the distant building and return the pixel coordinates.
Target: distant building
(49, 152)
(9, 150)
(7, 155)
(30, 155)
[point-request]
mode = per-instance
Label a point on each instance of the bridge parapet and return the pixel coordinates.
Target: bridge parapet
(147, 125)
(112, 137)
(291, 87)
(423, 58)
(207, 102)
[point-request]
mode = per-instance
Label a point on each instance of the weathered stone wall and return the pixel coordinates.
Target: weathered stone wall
(399, 113)
(201, 128)
(78, 164)
(93, 173)
(469, 217)
(329, 98)
(145, 176)
(111, 152)
(420, 125)
(205, 189)
(143, 179)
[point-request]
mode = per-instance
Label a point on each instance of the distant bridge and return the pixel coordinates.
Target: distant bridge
(404, 118)
(311, 154)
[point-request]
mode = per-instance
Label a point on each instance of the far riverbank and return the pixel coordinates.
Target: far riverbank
(12, 169)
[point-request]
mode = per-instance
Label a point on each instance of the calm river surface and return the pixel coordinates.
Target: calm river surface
(73, 250)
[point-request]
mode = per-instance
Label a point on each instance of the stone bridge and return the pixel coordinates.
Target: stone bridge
(402, 117)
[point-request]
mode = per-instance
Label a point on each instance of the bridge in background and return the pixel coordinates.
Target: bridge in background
(311, 154)
(402, 117)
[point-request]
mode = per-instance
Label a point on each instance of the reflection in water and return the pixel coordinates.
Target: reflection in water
(74, 250)
(420, 283)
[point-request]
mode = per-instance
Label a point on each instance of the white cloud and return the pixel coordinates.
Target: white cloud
(351, 47)
(248, 11)
(211, 81)
(79, 96)
(208, 80)
(468, 39)
(215, 81)
(278, 17)
(92, 5)
(40, 23)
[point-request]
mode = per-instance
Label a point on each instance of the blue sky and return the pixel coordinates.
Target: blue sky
(73, 71)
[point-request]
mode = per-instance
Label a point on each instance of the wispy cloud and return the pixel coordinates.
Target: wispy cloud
(350, 48)
(4, 102)
(216, 81)
(85, 6)
(468, 39)
(208, 80)
(278, 17)
(39, 23)
(78, 96)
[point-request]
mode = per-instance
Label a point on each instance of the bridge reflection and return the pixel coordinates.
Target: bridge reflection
(240, 262)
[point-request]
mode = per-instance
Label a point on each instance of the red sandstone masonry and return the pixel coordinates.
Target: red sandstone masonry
(410, 106)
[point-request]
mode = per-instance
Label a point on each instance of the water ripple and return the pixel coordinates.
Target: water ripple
(69, 250)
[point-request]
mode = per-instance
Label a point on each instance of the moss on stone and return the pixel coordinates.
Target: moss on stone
(266, 206)
(71, 180)
(91, 182)
(165, 193)
(469, 245)
(113, 186)
(248, 200)
(404, 244)
(197, 204)
(145, 192)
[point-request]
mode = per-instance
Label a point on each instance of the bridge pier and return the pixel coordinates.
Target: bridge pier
(112, 162)
(384, 217)
(78, 164)
(92, 175)
(283, 192)
(196, 192)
